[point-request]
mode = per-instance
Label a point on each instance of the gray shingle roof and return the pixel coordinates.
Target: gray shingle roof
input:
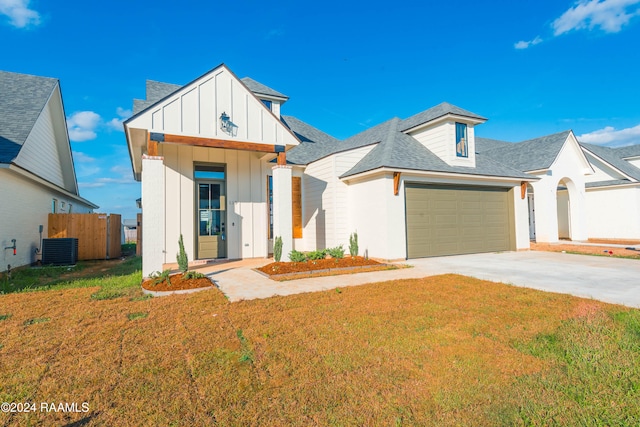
(260, 89)
(610, 183)
(435, 112)
(155, 91)
(486, 144)
(612, 156)
(533, 154)
(22, 98)
(629, 151)
(314, 144)
(400, 151)
(305, 154)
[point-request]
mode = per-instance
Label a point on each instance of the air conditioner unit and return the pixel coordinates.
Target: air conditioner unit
(62, 251)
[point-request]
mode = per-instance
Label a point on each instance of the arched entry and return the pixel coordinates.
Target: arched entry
(532, 212)
(565, 193)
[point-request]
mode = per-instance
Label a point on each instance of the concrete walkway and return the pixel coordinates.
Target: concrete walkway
(606, 279)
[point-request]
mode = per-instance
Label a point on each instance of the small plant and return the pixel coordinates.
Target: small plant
(315, 255)
(5, 316)
(297, 256)
(181, 257)
(193, 275)
(139, 315)
(277, 249)
(36, 320)
(158, 277)
(353, 244)
(246, 353)
(107, 294)
(337, 252)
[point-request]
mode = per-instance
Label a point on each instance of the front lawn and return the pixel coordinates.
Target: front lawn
(446, 350)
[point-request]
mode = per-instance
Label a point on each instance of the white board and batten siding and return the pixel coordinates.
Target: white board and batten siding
(246, 223)
(195, 110)
(326, 204)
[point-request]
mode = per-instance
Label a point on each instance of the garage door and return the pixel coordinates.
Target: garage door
(448, 220)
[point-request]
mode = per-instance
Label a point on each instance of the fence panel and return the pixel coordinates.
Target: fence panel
(91, 232)
(115, 237)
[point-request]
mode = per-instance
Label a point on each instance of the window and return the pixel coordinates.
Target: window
(296, 204)
(461, 140)
(267, 103)
(54, 206)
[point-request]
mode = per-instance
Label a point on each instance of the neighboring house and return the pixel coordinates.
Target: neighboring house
(37, 176)
(129, 230)
(206, 155)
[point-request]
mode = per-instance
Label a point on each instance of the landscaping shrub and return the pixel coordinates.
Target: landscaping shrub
(182, 258)
(297, 256)
(277, 249)
(337, 252)
(193, 275)
(353, 244)
(319, 254)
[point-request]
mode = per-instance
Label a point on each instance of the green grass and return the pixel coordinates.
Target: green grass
(5, 316)
(138, 315)
(119, 279)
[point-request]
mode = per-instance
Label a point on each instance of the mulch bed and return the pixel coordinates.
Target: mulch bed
(177, 284)
(279, 268)
(603, 250)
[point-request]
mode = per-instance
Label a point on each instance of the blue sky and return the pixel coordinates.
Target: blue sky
(532, 68)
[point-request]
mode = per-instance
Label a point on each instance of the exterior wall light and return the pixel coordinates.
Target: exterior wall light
(227, 125)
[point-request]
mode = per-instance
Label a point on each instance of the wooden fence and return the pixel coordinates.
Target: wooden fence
(98, 235)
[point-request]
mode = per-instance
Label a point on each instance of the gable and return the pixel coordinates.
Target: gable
(196, 108)
(571, 155)
(603, 171)
(46, 152)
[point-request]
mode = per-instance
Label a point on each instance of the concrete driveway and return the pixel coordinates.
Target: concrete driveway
(606, 279)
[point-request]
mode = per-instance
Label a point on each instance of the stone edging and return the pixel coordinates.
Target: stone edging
(214, 285)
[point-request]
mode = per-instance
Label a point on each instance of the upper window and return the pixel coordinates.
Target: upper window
(461, 140)
(267, 103)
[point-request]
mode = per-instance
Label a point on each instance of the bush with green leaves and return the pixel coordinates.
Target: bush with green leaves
(337, 252)
(158, 277)
(193, 275)
(353, 244)
(315, 255)
(277, 249)
(297, 256)
(183, 260)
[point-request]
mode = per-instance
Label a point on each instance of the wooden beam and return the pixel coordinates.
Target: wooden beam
(396, 183)
(523, 190)
(282, 159)
(215, 143)
(152, 146)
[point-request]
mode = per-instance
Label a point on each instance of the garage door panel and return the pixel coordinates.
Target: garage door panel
(447, 220)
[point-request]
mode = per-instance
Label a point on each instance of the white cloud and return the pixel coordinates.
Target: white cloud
(82, 157)
(116, 122)
(19, 13)
(82, 126)
(607, 15)
(526, 44)
(611, 137)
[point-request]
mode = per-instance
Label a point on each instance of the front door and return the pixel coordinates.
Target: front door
(212, 218)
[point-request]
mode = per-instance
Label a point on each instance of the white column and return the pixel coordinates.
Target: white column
(283, 208)
(153, 250)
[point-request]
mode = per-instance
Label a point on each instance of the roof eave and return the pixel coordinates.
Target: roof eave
(444, 117)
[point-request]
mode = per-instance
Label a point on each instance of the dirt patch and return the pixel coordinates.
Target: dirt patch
(603, 250)
(176, 282)
(278, 268)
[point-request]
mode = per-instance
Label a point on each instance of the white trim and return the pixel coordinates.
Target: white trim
(386, 170)
(446, 117)
(609, 164)
(609, 187)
